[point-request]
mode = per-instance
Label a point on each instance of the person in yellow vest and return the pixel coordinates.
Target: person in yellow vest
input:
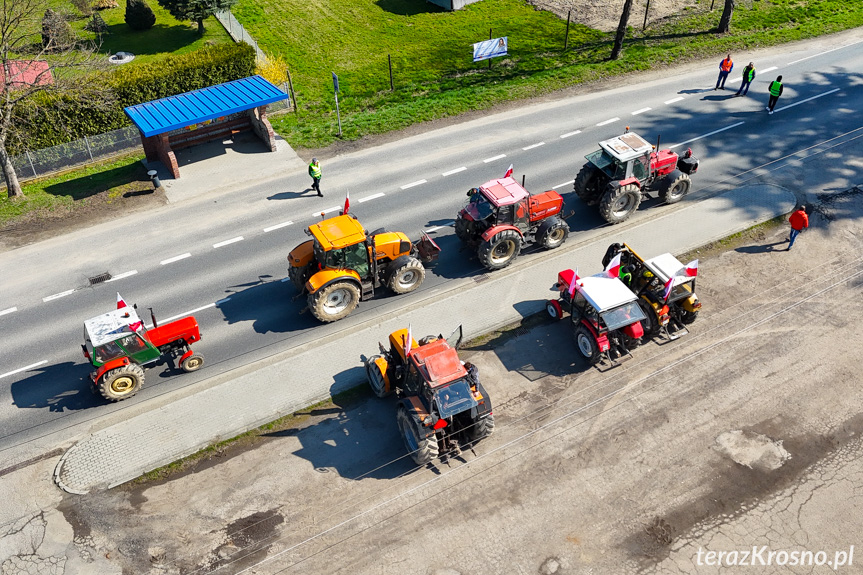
(775, 91)
(748, 76)
(315, 173)
(725, 67)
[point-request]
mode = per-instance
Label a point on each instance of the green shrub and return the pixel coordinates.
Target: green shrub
(97, 25)
(57, 34)
(139, 15)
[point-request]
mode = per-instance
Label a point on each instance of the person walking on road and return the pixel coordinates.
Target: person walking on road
(725, 68)
(748, 76)
(799, 221)
(315, 173)
(775, 92)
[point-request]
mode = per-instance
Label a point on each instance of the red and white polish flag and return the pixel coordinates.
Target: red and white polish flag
(574, 285)
(347, 202)
(121, 303)
(613, 267)
(508, 173)
(691, 269)
(668, 286)
(409, 341)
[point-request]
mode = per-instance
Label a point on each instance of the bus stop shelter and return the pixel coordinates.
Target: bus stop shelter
(203, 115)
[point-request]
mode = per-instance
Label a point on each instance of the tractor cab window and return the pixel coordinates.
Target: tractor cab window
(483, 206)
(641, 168)
(357, 259)
(608, 164)
(623, 315)
(454, 398)
(679, 292)
(505, 214)
(413, 381)
(108, 352)
(132, 343)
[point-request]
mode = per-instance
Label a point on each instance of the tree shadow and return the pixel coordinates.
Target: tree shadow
(60, 387)
(91, 185)
(161, 38)
(408, 7)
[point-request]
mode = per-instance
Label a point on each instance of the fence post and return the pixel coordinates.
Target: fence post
(646, 10)
(390, 62)
(293, 97)
(566, 38)
(89, 151)
(29, 159)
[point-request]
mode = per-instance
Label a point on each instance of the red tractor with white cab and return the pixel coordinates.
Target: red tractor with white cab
(625, 169)
(501, 216)
(119, 346)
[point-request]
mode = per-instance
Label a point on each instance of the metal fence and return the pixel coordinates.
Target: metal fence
(238, 33)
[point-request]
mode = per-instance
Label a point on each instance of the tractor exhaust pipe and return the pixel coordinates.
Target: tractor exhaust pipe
(153, 317)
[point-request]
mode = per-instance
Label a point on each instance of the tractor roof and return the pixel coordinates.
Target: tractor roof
(666, 266)
(438, 363)
(603, 292)
(338, 232)
(111, 326)
(624, 148)
(503, 192)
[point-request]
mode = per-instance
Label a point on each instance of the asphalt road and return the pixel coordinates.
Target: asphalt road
(410, 185)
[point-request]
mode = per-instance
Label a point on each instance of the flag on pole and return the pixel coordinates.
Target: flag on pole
(508, 172)
(121, 303)
(409, 341)
(668, 286)
(134, 325)
(347, 202)
(574, 285)
(691, 269)
(613, 267)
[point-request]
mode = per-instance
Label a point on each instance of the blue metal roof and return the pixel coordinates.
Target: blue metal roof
(201, 105)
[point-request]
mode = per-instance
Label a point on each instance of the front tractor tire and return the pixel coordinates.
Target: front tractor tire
(375, 377)
(192, 363)
(500, 250)
(619, 202)
(462, 229)
(552, 233)
(422, 450)
(589, 184)
(300, 275)
(121, 383)
(334, 301)
(674, 187)
(406, 275)
(586, 344)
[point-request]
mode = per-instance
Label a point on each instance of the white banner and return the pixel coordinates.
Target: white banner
(489, 49)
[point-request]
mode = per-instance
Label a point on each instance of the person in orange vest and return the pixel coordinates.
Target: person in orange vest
(799, 221)
(725, 68)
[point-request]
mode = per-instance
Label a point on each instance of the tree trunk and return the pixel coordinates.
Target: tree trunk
(13, 187)
(725, 20)
(621, 30)
(201, 26)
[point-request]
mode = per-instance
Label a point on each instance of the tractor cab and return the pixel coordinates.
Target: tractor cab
(623, 157)
(112, 336)
(667, 266)
(341, 243)
(501, 202)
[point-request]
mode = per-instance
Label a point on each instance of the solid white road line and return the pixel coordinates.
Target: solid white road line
(487, 160)
(806, 100)
(416, 183)
(822, 53)
(563, 184)
(230, 241)
(31, 366)
(372, 197)
(190, 312)
(436, 228)
(9, 310)
(175, 259)
(58, 295)
(122, 275)
(673, 100)
(326, 211)
(568, 134)
(641, 111)
(608, 121)
(534, 146)
(224, 300)
(455, 171)
(277, 226)
(705, 135)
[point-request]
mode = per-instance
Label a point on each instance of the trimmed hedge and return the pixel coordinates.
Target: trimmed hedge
(52, 118)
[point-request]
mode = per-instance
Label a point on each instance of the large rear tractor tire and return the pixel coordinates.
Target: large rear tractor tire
(334, 301)
(552, 233)
(618, 203)
(651, 323)
(674, 187)
(589, 184)
(375, 377)
(407, 276)
(122, 383)
(422, 451)
(500, 250)
(481, 429)
(192, 363)
(586, 344)
(687, 317)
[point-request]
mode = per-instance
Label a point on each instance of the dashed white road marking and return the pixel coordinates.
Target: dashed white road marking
(563, 184)
(278, 226)
(31, 366)
(371, 197)
(673, 100)
(175, 259)
(440, 227)
(122, 275)
(705, 135)
(608, 121)
(768, 69)
(455, 171)
(806, 100)
(326, 211)
(568, 134)
(487, 160)
(534, 146)
(641, 111)
(9, 310)
(416, 183)
(230, 241)
(190, 312)
(58, 295)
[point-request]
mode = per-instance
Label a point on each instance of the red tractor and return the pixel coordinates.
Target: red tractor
(625, 169)
(118, 345)
(501, 216)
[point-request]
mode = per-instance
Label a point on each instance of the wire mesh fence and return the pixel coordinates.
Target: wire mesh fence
(238, 32)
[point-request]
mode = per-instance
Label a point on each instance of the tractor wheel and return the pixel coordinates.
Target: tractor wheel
(674, 187)
(122, 383)
(300, 275)
(407, 276)
(375, 377)
(427, 339)
(589, 184)
(586, 344)
(192, 363)
(481, 429)
(651, 323)
(500, 250)
(462, 229)
(422, 451)
(552, 233)
(334, 301)
(554, 310)
(687, 317)
(618, 203)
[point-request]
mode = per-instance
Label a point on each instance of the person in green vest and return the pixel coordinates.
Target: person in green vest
(748, 76)
(775, 91)
(315, 173)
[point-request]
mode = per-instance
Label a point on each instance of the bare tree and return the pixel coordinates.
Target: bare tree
(725, 19)
(621, 30)
(34, 59)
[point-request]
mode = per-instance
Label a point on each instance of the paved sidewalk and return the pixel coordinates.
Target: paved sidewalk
(109, 457)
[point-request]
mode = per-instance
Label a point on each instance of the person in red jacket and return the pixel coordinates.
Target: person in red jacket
(799, 221)
(725, 67)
